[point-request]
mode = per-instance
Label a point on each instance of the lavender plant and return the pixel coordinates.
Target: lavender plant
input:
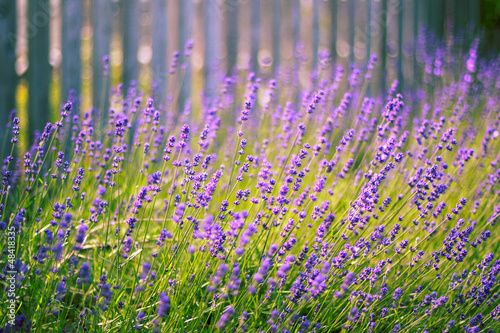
(344, 212)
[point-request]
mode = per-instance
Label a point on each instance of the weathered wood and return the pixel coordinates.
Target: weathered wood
(432, 13)
(159, 59)
(102, 24)
(461, 17)
(368, 30)
(185, 31)
(8, 81)
(368, 34)
(315, 45)
(415, 73)
(474, 15)
(276, 35)
(383, 48)
(399, 13)
(352, 28)
(295, 22)
(416, 20)
(254, 35)
(462, 23)
(39, 69)
(212, 46)
(423, 21)
(231, 12)
(436, 17)
(71, 65)
(131, 15)
(449, 13)
(333, 28)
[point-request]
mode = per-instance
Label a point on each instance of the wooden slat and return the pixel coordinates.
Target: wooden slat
(368, 30)
(416, 26)
(315, 45)
(185, 30)
(39, 70)
(383, 48)
(333, 28)
(474, 13)
(8, 81)
(71, 65)
(159, 59)
(132, 11)
(352, 28)
(461, 17)
(102, 26)
(415, 73)
(232, 13)
(212, 46)
(400, 27)
(295, 22)
(436, 17)
(276, 35)
(254, 35)
(368, 34)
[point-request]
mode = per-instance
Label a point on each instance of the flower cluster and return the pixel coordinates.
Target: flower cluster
(274, 207)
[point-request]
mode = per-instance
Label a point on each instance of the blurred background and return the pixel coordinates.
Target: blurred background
(55, 50)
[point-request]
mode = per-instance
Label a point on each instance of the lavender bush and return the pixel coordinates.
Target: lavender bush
(342, 213)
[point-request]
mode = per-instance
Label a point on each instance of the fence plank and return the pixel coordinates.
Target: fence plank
(423, 24)
(416, 20)
(185, 30)
(368, 29)
(315, 45)
(71, 65)
(159, 59)
(276, 35)
(333, 28)
(102, 13)
(400, 28)
(212, 46)
(231, 11)
(296, 22)
(474, 13)
(383, 47)
(449, 12)
(461, 15)
(407, 40)
(436, 17)
(132, 11)
(352, 28)
(8, 40)
(254, 35)
(368, 38)
(39, 69)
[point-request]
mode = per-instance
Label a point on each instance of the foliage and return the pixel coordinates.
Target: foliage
(340, 212)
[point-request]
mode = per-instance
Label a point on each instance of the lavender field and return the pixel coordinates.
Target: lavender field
(333, 204)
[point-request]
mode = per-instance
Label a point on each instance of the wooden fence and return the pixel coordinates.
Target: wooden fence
(138, 38)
